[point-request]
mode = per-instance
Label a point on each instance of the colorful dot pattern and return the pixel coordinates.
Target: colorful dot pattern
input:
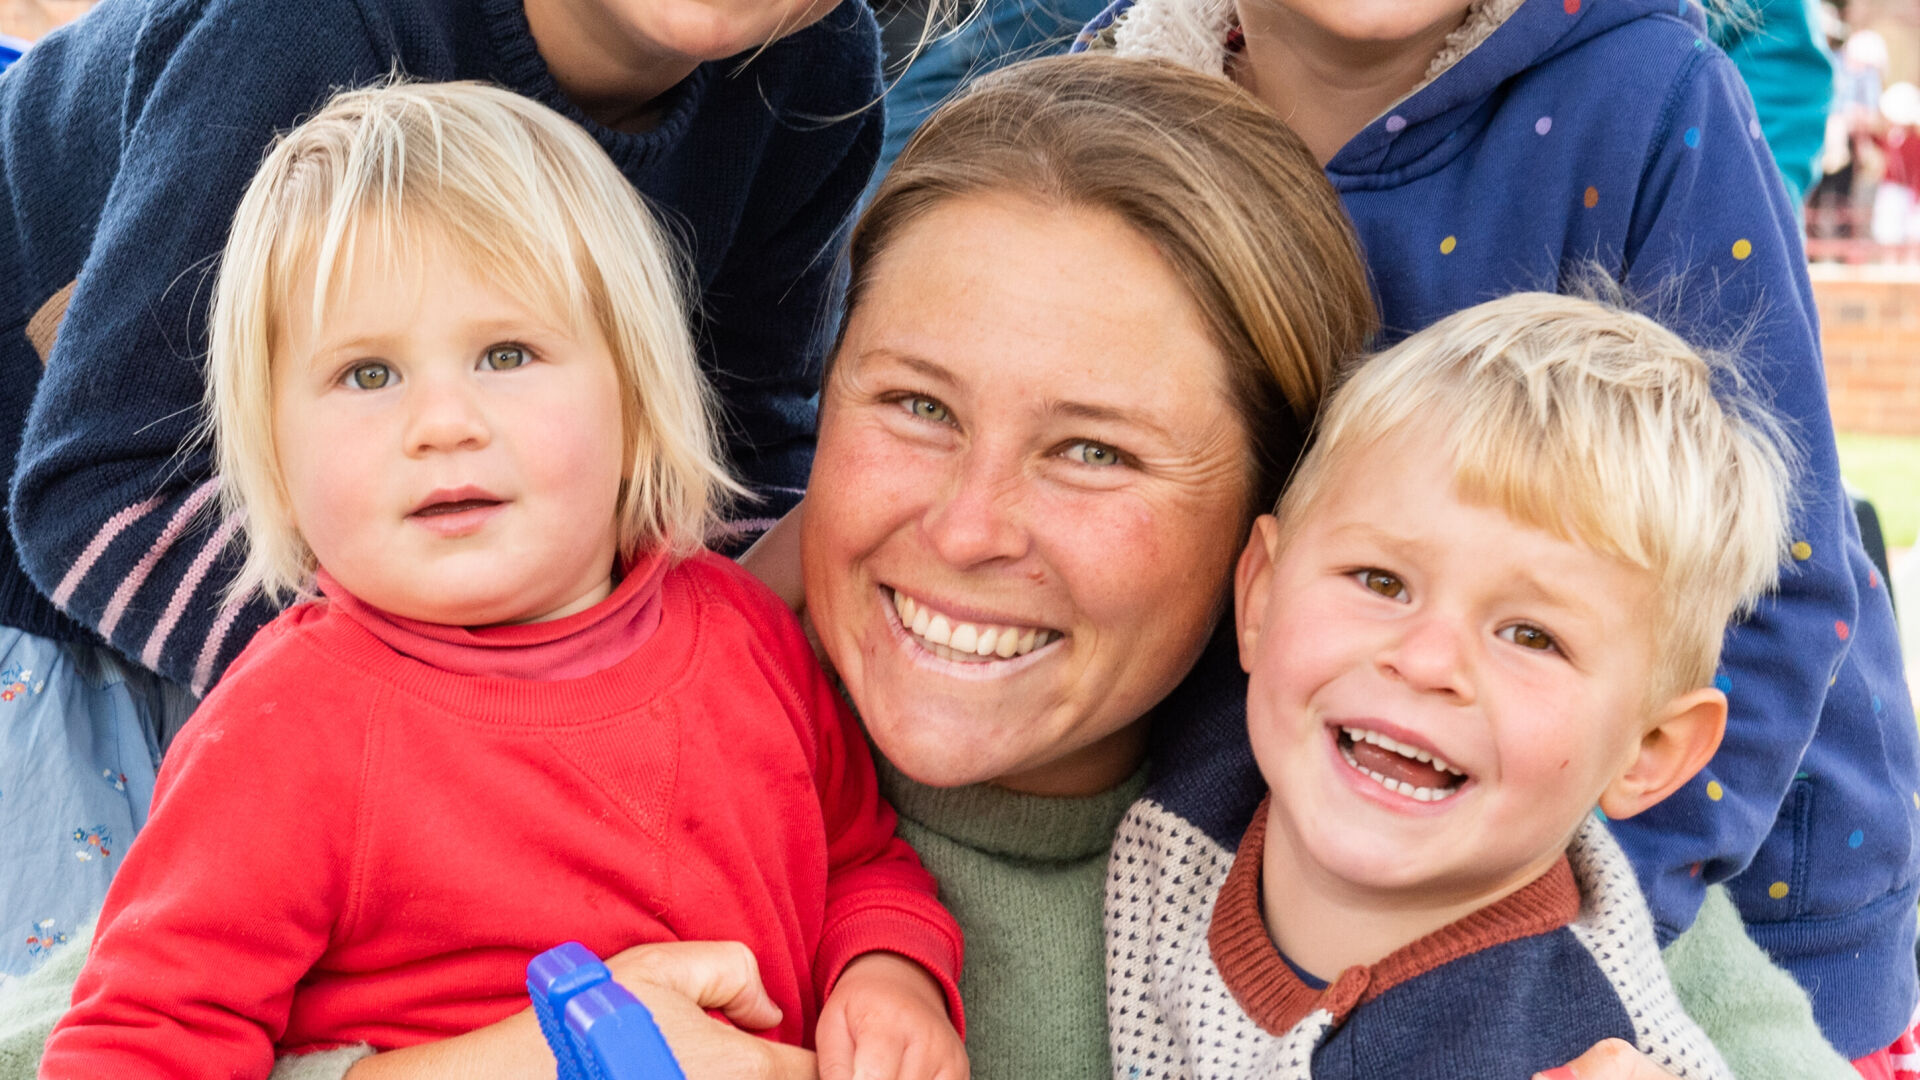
(1742, 248)
(1447, 245)
(1802, 551)
(1841, 630)
(1723, 683)
(1715, 791)
(1591, 199)
(1692, 137)
(1572, 6)
(1778, 890)
(1543, 125)
(1856, 838)
(1396, 124)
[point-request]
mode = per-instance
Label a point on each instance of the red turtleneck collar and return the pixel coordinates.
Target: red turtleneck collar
(571, 647)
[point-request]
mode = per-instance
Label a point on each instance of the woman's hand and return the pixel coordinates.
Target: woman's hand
(886, 1019)
(677, 981)
(1610, 1059)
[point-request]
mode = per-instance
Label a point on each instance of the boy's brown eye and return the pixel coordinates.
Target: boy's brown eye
(1383, 583)
(1530, 637)
(374, 376)
(504, 357)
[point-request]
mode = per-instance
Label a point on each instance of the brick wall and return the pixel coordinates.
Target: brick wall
(1870, 331)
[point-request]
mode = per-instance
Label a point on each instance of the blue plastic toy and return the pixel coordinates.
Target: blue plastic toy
(11, 49)
(597, 1030)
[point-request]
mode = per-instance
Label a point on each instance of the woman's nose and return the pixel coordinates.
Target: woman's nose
(1429, 653)
(977, 519)
(444, 413)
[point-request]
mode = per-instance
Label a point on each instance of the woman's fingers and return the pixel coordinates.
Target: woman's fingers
(1611, 1059)
(719, 975)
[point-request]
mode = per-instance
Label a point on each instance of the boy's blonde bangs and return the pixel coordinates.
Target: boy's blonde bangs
(1597, 426)
(529, 203)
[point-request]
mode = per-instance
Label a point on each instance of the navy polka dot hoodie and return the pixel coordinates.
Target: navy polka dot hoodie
(1612, 134)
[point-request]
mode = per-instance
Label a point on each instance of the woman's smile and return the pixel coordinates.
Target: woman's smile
(951, 637)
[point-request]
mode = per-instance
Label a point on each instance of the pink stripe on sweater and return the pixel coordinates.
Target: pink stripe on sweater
(210, 651)
(97, 547)
(150, 656)
(123, 595)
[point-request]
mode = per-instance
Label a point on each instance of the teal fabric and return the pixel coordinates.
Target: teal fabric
(1787, 68)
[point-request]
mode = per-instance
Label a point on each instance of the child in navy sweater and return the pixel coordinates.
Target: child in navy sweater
(1491, 146)
(128, 137)
(1492, 598)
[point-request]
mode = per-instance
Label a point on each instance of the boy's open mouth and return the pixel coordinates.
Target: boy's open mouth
(1402, 769)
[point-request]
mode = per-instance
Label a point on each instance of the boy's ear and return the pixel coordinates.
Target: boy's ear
(1680, 742)
(1250, 585)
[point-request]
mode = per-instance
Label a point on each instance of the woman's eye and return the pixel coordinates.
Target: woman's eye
(1530, 637)
(927, 408)
(370, 376)
(504, 358)
(1093, 453)
(1383, 583)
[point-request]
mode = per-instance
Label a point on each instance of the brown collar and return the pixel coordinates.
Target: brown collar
(1274, 997)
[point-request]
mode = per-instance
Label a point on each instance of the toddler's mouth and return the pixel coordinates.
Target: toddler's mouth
(456, 506)
(1402, 769)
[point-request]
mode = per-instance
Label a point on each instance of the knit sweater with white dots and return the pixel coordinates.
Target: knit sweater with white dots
(1197, 991)
(1555, 138)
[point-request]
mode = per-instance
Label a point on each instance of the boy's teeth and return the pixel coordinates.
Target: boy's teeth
(951, 640)
(1405, 751)
(1401, 787)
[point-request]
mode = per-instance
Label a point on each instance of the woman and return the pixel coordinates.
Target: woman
(1090, 307)
(1091, 311)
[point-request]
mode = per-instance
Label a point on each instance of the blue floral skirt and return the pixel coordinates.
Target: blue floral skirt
(80, 739)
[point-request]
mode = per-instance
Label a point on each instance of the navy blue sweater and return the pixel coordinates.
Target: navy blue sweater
(1611, 133)
(126, 140)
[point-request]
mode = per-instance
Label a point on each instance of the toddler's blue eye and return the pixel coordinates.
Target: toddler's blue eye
(504, 357)
(927, 408)
(371, 376)
(1383, 583)
(1093, 453)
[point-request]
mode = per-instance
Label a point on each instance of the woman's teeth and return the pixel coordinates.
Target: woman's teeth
(965, 641)
(1420, 793)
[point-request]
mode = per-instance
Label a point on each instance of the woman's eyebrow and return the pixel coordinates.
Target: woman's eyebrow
(1108, 414)
(919, 365)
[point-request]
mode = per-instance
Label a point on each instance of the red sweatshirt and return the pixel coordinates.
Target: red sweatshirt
(349, 844)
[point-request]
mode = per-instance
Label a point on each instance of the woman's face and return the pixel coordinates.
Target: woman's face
(1028, 450)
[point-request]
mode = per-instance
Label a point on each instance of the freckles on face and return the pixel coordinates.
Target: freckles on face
(1027, 444)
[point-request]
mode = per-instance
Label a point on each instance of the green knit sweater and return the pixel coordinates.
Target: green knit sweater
(1025, 876)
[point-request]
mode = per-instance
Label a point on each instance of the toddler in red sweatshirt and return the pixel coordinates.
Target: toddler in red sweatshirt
(457, 410)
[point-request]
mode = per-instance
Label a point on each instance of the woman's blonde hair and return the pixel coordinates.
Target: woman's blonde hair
(1596, 425)
(1229, 197)
(532, 203)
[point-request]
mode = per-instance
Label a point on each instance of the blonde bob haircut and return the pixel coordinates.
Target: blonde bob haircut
(533, 205)
(1228, 196)
(1600, 427)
